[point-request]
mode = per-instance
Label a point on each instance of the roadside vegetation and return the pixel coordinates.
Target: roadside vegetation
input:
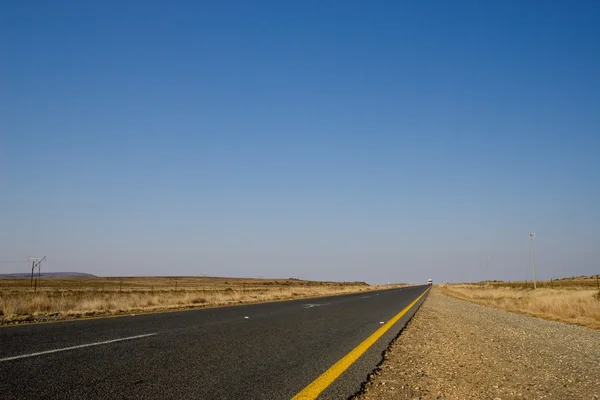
(53, 299)
(571, 300)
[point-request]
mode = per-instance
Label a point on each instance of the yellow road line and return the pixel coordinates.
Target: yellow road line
(313, 390)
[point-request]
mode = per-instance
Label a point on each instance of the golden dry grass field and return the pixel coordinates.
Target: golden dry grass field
(56, 298)
(575, 301)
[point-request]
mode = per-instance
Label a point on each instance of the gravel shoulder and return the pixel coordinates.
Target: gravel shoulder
(454, 349)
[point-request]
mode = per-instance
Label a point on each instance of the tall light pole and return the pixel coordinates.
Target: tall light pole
(531, 237)
(487, 269)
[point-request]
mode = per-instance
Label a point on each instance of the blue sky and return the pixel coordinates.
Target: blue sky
(344, 140)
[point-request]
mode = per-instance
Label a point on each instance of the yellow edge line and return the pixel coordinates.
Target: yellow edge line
(313, 390)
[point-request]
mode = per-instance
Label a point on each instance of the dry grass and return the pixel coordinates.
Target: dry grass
(575, 305)
(576, 282)
(80, 297)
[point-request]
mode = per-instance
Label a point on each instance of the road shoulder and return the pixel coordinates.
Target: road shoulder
(453, 349)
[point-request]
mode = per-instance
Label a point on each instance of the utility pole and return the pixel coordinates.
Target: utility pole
(32, 268)
(487, 269)
(531, 237)
(35, 262)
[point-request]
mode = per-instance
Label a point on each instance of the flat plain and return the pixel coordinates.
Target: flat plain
(56, 298)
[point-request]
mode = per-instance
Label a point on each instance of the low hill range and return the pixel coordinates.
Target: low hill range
(49, 275)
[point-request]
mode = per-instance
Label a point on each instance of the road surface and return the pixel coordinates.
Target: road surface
(260, 351)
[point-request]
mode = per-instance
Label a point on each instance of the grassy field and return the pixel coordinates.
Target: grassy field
(577, 282)
(575, 301)
(57, 298)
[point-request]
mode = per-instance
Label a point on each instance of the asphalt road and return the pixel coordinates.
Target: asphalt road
(260, 351)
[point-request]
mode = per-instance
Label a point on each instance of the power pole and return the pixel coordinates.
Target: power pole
(531, 237)
(35, 263)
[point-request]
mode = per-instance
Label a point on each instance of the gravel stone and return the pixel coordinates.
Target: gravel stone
(454, 349)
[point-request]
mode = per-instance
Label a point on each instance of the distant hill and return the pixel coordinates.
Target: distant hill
(49, 275)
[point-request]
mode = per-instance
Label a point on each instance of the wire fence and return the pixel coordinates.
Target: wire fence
(592, 282)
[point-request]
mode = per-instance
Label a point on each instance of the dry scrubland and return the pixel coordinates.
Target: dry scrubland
(576, 301)
(80, 297)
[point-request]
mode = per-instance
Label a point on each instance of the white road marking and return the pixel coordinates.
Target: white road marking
(315, 305)
(76, 347)
(365, 297)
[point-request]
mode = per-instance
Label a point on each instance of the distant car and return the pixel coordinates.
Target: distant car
(430, 281)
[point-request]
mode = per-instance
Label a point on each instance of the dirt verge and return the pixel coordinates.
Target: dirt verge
(453, 349)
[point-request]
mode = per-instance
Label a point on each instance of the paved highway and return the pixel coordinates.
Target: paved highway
(263, 351)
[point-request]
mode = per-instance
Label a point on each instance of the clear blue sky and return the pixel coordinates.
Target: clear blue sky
(346, 140)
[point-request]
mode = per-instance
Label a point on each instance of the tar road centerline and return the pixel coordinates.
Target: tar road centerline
(81, 346)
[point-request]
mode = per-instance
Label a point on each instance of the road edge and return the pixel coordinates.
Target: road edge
(326, 379)
(384, 354)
